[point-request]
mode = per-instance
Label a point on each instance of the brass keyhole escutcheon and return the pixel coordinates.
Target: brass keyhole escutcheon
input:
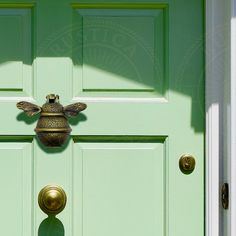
(52, 199)
(225, 195)
(187, 164)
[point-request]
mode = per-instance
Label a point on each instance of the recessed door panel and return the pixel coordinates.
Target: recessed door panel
(122, 186)
(16, 52)
(119, 51)
(16, 200)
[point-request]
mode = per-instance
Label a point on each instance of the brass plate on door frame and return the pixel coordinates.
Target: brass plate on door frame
(187, 164)
(225, 196)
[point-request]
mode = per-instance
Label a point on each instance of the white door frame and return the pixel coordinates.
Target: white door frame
(231, 223)
(220, 115)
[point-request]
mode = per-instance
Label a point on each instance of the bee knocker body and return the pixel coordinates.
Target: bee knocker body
(52, 128)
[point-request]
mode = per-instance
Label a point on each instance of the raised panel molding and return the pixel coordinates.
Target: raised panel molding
(16, 51)
(108, 45)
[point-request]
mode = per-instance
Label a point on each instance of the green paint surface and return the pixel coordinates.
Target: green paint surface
(140, 69)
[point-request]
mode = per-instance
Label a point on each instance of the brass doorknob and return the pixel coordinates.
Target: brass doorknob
(52, 199)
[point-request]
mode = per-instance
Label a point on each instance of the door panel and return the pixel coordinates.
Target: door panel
(140, 69)
(16, 187)
(15, 48)
(123, 186)
(130, 48)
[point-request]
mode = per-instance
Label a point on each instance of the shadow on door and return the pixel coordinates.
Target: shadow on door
(51, 226)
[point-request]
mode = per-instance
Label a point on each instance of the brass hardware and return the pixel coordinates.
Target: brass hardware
(225, 196)
(187, 164)
(52, 199)
(52, 128)
(52, 114)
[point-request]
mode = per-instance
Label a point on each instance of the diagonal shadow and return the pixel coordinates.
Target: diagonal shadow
(128, 51)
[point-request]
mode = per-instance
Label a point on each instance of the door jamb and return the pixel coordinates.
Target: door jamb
(230, 217)
(220, 39)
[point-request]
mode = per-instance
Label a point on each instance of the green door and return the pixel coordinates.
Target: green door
(139, 67)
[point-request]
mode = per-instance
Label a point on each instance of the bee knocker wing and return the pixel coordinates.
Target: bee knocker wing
(74, 109)
(29, 108)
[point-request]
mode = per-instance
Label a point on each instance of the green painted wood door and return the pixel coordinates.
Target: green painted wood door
(139, 66)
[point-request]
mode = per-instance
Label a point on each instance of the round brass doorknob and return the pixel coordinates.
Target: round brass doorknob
(52, 199)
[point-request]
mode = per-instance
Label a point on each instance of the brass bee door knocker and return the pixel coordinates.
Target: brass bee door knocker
(52, 128)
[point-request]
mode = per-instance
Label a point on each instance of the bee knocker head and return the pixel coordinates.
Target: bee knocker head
(52, 128)
(52, 98)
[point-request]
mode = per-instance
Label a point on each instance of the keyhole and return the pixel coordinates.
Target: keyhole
(187, 163)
